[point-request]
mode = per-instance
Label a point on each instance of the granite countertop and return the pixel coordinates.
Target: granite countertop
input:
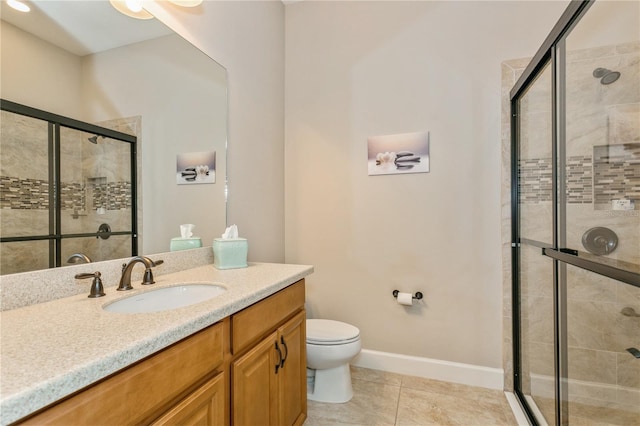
(50, 350)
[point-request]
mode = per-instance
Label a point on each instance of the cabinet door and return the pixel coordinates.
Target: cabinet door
(255, 386)
(292, 390)
(204, 407)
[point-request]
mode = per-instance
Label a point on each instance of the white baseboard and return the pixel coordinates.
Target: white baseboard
(466, 374)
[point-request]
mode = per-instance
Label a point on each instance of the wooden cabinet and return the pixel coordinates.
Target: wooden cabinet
(269, 381)
(292, 390)
(144, 391)
(248, 369)
(254, 385)
(269, 377)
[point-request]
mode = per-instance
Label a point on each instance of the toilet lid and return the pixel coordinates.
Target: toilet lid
(323, 331)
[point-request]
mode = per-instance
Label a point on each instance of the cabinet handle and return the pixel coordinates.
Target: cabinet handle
(279, 362)
(286, 354)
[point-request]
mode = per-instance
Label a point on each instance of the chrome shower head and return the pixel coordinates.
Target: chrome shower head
(606, 76)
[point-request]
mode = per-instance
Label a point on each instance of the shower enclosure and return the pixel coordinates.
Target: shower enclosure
(66, 187)
(575, 244)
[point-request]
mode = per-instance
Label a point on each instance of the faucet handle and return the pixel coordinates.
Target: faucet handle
(148, 274)
(97, 290)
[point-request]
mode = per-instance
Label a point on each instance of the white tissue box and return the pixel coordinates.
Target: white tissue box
(230, 253)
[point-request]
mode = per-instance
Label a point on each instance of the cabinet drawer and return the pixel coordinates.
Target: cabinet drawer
(204, 406)
(145, 389)
(254, 322)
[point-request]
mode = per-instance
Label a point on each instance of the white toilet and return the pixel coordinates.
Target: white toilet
(330, 347)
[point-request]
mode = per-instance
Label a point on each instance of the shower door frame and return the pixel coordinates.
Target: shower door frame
(54, 122)
(552, 51)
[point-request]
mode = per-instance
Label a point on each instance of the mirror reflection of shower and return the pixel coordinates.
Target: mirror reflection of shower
(606, 76)
(88, 185)
(96, 189)
(66, 177)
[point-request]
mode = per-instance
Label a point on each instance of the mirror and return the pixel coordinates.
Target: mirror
(78, 59)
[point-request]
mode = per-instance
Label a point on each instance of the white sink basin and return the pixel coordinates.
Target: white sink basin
(166, 298)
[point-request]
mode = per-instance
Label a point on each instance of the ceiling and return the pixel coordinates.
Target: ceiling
(82, 27)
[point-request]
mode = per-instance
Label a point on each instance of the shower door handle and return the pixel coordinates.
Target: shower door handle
(570, 258)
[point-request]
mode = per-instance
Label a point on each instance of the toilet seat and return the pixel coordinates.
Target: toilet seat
(330, 332)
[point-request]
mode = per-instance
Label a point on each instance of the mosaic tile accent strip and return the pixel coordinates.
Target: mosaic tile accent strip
(536, 174)
(33, 194)
(112, 195)
(72, 196)
(535, 185)
(579, 177)
(616, 172)
(17, 193)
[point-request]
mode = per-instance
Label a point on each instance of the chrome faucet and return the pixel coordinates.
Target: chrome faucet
(125, 279)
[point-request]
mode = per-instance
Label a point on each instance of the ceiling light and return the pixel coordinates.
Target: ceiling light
(134, 5)
(132, 8)
(18, 5)
(186, 3)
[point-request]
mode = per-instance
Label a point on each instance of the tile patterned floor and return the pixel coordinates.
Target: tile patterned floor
(387, 399)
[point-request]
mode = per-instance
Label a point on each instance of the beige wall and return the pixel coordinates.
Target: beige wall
(359, 69)
(25, 82)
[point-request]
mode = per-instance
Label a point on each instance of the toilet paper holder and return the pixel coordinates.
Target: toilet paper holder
(417, 295)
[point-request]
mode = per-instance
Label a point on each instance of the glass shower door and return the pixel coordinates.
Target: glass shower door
(577, 333)
(603, 383)
(535, 272)
(601, 213)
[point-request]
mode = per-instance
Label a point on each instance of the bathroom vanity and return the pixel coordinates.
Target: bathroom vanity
(237, 358)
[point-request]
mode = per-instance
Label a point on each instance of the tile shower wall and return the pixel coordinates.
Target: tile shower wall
(612, 173)
(603, 164)
(24, 194)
